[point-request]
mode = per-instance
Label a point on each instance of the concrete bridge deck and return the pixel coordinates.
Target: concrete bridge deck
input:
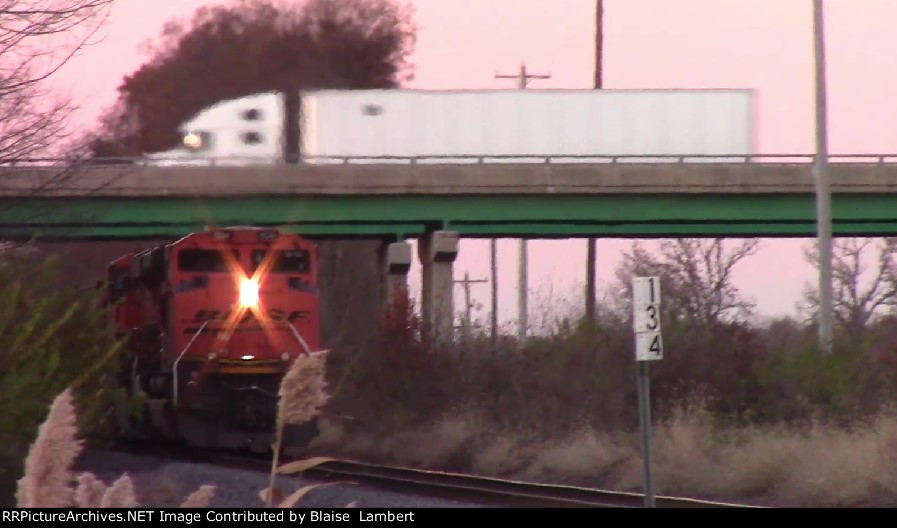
(539, 200)
(443, 179)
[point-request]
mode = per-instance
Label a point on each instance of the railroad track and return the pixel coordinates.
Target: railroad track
(474, 489)
(495, 491)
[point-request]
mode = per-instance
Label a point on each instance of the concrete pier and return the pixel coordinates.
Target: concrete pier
(395, 260)
(437, 251)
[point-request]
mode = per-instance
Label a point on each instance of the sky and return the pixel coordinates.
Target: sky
(764, 45)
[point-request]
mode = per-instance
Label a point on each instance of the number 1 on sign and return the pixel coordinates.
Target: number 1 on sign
(646, 290)
(648, 346)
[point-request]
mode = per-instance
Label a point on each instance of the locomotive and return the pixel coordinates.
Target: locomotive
(212, 322)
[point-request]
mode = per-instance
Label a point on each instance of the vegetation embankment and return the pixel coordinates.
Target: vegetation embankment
(743, 409)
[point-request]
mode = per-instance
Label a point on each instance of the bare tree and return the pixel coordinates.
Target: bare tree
(38, 37)
(696, 275)
(855, 305)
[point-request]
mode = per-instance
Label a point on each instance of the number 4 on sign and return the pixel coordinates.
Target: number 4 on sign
(648, 346)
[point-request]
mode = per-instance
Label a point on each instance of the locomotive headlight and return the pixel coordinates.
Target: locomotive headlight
(249, 293)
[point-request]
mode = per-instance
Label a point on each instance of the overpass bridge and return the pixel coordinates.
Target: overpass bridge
(627, 196)
(439, 201)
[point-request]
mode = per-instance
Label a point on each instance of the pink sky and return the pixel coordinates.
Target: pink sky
(765, 45)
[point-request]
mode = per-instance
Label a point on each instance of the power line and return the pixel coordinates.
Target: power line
(523, 77)
(468, 306)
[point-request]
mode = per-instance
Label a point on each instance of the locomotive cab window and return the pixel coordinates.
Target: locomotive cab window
(284, 261)
(202, 260)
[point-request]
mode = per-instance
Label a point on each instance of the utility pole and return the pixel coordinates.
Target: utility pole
(823, 194)
(523, 77)
(467, 304)
(591, 249)
(494, 270)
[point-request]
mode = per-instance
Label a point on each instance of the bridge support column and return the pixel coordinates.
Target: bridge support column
(395, 262)
(437, 251)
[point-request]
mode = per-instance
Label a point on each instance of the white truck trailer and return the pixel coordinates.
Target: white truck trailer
(531, 123)
(463, 126)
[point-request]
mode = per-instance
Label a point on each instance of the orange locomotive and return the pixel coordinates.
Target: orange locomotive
(213, 321)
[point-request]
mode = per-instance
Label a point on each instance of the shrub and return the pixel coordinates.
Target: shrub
(51, 339)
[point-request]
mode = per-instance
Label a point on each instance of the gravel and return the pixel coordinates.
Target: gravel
(164, 483)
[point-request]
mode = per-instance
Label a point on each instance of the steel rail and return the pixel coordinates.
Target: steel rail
(474, 489)
(492, 490)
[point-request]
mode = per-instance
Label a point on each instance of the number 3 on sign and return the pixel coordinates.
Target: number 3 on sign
(647, 318)
(648, 346)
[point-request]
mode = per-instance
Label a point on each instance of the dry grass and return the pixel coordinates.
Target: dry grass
(303, 392)
(844, 468)
(50, 482)
(588, 455)
(435, 444)
(818, 466)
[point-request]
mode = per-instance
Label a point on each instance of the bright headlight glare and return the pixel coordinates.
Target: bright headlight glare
(249, 293)
(192, 141)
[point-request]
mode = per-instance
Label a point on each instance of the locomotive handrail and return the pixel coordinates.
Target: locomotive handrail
(178, 360)
(299, 338)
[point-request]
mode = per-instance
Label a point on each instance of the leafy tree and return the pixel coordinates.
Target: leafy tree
(226, 52)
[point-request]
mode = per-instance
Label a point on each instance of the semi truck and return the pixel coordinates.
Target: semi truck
(469, 126)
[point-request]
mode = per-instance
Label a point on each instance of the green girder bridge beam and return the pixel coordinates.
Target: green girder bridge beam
(550, 200)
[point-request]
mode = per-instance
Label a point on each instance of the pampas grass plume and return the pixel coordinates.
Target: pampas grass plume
(49, 481)
(90, 491)
(303, 390)
(302, 394)
(48, 478)
(200, 498)
(120, 494)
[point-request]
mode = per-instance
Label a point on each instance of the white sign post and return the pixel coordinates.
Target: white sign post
(648, 347)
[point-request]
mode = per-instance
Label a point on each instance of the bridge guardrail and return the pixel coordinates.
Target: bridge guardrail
(477, 159)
